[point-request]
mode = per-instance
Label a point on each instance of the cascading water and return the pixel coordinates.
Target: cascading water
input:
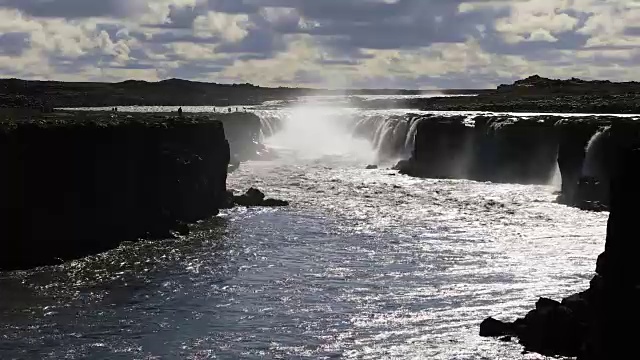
(555, 180)
(411, 135)
(595, 152)
(270, 121)
(313, 130)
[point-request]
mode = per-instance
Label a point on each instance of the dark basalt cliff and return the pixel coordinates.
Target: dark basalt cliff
(243, 132)
(519, 149)
(598, 323)
(498, 149)
(75, 184)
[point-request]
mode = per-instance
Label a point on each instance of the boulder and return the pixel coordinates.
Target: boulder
(546, 304)
(372, 167)
(402, 165)
(254, 197)
(491, 327)
(552, 329)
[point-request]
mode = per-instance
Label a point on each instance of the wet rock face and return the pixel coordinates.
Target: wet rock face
(71, 188)
(585, 176)
(512, 150)
(442, 148)
(242, 130)
(497, 149)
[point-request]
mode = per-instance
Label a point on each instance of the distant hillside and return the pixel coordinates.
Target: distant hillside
(23, 93)
(15, 93)
(537, 85)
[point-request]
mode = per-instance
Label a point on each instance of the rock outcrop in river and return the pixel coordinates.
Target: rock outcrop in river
(74, 184)
(598, 323)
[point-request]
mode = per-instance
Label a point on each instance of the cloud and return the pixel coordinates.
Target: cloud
(73, 9)
(372, 43)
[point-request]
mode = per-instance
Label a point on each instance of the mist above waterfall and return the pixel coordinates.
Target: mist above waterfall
(311, 130)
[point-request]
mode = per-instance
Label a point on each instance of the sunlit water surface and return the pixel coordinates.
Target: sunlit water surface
(365, 264)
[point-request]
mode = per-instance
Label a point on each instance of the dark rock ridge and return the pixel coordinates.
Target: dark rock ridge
(601, 322)
(538, 94)
(173, 92)
(537, 84)
(16, 93)
(517, 149)
(75, 184)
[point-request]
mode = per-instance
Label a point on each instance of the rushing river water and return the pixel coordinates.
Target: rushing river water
(364, 264)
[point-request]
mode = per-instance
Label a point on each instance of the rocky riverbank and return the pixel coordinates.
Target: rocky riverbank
(599, 322)
(78, 183)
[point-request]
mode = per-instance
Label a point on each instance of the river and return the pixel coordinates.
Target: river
(365, 264)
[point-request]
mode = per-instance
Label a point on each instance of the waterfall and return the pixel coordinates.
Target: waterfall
(555, 179)
(391, 135)
(270, 122)
(411, 135)
(594, 154)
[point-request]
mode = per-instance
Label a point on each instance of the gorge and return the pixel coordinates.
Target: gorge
(366, 262)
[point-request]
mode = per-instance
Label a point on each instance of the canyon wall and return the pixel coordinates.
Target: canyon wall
(242, 130)
(598, 323)
(517, 149)
(75, 184)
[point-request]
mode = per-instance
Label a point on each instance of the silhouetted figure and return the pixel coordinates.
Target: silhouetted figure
(229, 110)
(180, 111)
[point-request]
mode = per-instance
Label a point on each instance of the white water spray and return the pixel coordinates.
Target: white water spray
(593, 162)
(312, 131)
(555, 180)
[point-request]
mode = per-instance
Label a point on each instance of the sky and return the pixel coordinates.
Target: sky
(418, 44)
